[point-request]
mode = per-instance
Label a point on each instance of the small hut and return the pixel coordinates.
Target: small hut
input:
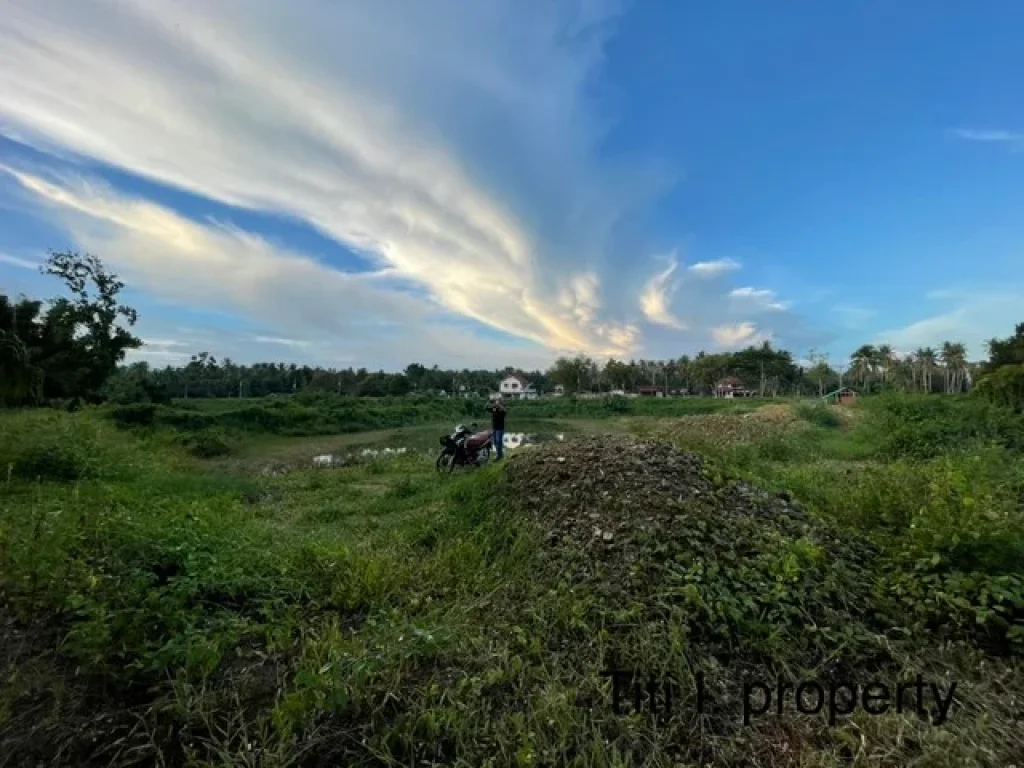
(840, 396)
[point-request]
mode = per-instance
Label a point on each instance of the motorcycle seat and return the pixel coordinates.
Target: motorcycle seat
(479, 439)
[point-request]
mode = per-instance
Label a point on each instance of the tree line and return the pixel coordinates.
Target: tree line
(72, 349)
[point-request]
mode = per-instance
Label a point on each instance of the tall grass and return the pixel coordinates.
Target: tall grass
(157, 612)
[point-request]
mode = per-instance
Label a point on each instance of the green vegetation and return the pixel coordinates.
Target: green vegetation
(160, 608)
(68, 351)
(179, 587)
(1003, 381)
(334, 414)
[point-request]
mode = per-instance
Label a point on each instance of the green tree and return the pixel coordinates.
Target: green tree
(1002, 379)
(1008, 351)
(574, 374)
(98, 340)
(862, 364)
(820, 372)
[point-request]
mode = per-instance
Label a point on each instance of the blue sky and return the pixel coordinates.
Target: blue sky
(373, 183)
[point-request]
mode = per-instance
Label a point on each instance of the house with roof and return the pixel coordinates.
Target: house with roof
(516, 387)
(840, 396)
(731, 386)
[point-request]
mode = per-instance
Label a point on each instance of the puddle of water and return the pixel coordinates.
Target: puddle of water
(511, 441)
(366, 454)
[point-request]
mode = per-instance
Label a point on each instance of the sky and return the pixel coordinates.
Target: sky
(372, 183)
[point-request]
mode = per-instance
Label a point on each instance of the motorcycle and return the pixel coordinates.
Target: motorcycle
(464, 448)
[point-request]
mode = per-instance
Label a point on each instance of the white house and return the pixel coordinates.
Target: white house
(516, 387)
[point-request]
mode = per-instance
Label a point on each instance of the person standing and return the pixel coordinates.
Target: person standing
(498, 426)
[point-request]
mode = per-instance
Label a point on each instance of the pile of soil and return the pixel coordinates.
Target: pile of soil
(655, 530)
(724, 429)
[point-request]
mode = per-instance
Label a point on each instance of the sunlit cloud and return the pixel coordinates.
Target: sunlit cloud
(656, 296)
(198, 266)
(337, 113)
(737, 335)
(494, 217)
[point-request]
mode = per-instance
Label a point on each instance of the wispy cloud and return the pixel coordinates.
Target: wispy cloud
(656, 297)
(712, 268)
(283, 342)
(339, 114)
(208, 265)
(14, 261)
(1014, 139)
(737, 335)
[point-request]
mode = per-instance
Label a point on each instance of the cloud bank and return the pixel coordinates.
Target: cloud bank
(453, 146)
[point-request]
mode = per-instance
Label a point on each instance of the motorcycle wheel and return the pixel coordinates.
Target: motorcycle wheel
(445, 462)
(485, 456)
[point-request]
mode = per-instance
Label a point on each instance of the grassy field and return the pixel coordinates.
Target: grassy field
(168, 602)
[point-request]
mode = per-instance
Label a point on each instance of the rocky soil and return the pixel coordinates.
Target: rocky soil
(658, 532)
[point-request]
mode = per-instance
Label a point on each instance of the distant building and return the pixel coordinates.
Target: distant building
(516, 387)
(559, 390)
(731, 386)
(840, 396)
(651, 391)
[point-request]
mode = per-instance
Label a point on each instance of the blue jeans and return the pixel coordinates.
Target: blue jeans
(498, 438)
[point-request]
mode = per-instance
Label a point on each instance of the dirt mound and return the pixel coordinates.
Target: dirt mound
(654, 529)
(773, 414)
(724, 429)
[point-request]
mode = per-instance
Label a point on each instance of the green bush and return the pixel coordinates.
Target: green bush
(51, 462)
(1004, 386)
(139, 414)
(208, 444)
(52, 445)
(924, 427)
(819, 415)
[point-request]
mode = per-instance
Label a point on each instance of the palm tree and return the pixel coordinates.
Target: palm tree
(926, 357)
(863, 362)
(885, 360)
(954, 358)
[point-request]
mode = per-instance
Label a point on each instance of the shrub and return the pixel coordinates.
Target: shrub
(208, 444)
(139, 414)
(51, 462)
(50, 445)
(820, 415)
(924, 427)
(1004, 386)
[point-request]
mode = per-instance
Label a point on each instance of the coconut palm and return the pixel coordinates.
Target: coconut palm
(863, 362)
(926, 358)
(885, 360)
(954, 360)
